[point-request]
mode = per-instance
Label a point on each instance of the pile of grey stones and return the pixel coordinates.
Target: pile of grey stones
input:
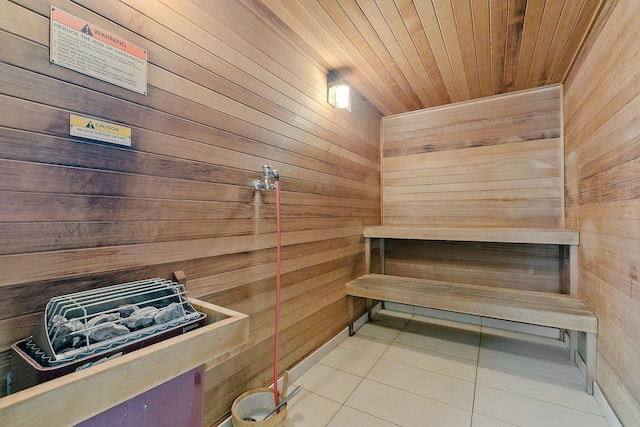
(69, 334)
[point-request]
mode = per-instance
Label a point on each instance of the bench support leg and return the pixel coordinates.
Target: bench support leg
(591, 361)
(350, 314)
(574, 287)
(367, 255)
(573, 346)
(382, 254)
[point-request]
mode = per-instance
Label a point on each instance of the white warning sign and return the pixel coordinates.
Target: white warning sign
(87, 49)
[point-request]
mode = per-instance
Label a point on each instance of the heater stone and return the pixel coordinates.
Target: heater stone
(169, 313)
(107, 331)
(66, 333)
(127, 310)
(85, 328)
(140, 318)
(103, 318)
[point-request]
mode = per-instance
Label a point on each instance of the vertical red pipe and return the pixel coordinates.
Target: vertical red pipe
(277, 322)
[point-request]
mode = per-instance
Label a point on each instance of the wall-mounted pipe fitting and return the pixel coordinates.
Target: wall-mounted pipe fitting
(267, 184)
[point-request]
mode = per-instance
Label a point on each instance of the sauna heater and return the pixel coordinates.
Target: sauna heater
(82, 329)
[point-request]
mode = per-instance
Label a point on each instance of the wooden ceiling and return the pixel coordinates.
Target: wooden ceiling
(404, 55)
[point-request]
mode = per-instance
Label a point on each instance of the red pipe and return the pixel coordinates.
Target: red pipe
(277, 323)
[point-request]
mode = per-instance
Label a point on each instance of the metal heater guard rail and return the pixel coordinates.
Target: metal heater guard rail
(78, 396)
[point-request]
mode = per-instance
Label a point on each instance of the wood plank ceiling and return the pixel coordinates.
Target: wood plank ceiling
(404, 55)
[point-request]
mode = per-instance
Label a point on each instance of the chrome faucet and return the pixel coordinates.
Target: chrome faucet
(267, 184)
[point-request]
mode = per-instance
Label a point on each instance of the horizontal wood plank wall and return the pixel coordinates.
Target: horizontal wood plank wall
(601, 105)
(228, 92)
(506, 265)
(493, 162)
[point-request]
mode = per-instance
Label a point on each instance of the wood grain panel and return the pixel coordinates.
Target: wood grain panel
(516, 13)
(481, 28)
(463, 14)
(412, 21)
(235, 84)
(494, 162)
(542, 308)
(531, 27)
(473, 125)
(515, 266)
(602, 154)
(393, 33)
(228, 92)
(452, 39)
(498, 31)
(466, 49)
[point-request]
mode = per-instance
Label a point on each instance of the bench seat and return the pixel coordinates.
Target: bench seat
(538, 308)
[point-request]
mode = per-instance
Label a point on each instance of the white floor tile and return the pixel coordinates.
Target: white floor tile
(329, 382)
(350, 361)
(404, 408)
(453, 366)
(441, 339)
(310, 410)
(448, 322)
(484, 421)
(528, 412)
(400, 308)
(526, 328)
(435, 386)
(349, 417)
(401, 317)
(565, 371)
(524, 344)
(367, 345)
(380, 332)
(542, 388)
(450, 315)
(385, 325)
(421, 371)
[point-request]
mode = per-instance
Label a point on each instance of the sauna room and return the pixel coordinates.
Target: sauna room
(319, 213)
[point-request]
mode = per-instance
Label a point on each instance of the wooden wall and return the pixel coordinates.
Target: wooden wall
(602, 155)
(228, 92)
(493, 162)
(506, 265)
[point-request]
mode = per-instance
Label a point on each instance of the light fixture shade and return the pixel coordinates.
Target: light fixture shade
(339, 94)
(342, 96)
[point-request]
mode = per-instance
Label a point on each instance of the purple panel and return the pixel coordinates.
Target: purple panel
(178, 402)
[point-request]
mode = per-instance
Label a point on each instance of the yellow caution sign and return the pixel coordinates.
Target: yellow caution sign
(90, 128)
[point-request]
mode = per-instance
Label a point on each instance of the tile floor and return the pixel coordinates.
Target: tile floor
(411, 370)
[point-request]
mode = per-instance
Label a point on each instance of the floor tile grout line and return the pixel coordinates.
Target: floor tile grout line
(434, 352)
(526, 374)
(519, 394)
(371, 415)
(440, 374)
(482, 335)
(410, 392)
(542, 401)
(343, 404)
(483, 332)
(475, 382)
(418, 395)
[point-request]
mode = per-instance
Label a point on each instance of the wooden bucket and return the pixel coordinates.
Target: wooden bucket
(257, 404)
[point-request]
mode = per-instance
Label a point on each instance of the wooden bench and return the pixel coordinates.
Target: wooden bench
(545, 236)
(562, 311)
